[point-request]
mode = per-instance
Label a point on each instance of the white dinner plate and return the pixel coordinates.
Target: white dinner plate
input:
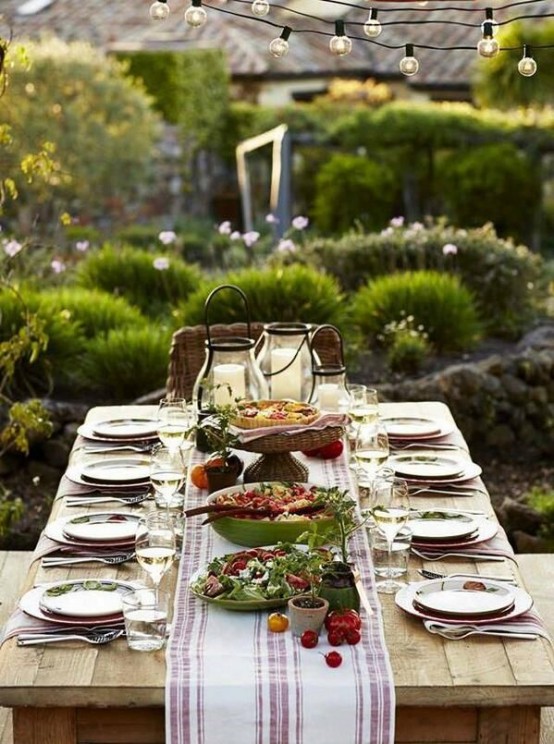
(463, 597)
(404, 599)
(486, 529)
(55, 530)
(87, 431)
(30, 604)
(432, 525)
(411, 426)
(73, 473)
(102, 527)
(124, 428)
(470, 471)
(128, 469)
(427, 465)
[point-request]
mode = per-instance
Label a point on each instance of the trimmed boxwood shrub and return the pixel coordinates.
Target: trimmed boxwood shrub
(436, 301)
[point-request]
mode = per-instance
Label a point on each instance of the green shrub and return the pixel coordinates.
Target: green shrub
(407, 345)
(353, 190)
(132, 273)
(294, 293)
(138, 236)
(126, 363)
(96, 312)
(502, 276)
(436, 301)
(495, 183)
(543, 501)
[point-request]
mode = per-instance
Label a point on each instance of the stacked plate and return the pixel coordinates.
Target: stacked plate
(449, 529)
(104, 532)
(425, 467)
(456, 600)
(118, 471)
(86, 602)
(130, 430)
(415, 428)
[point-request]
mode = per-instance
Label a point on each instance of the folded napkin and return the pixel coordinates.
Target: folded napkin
(323, 422)
(20, 623)
(47, 546)
(528, 626)
(496, 547)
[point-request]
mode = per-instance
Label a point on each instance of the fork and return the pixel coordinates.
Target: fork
(434, 575)
(95, 637)
(437, 446)
(474, 556)
(111, 560)
(85, 501)
(119, 448)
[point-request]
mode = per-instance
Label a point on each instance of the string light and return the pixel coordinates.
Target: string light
(340, 44)
(159, 10)
(260, 8)
(279, 47)
(195, 15)
(372, 27)
(527, 65)
(489, 18)
(409, 64)
(488, 45)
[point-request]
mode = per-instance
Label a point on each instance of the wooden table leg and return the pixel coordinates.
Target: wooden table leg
(44, 726)
(513, 725)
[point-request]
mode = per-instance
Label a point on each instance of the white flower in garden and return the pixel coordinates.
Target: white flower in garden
(235, 235)
(300, 222)
(417, 226)
(161, 263)
(286, 246)
(224, 228)
(387, 231)
(449, 249)
(250, 238)
(11, 247)
(397, 222)
(57, 266)
(271, 219)
(36, 480)
(82, 246)
(167, 237)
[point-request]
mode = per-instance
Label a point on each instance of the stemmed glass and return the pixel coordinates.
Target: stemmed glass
(364, 404)
(371, 446)
(168, 468)
(175, 420)
(390, 511)
(155, 544)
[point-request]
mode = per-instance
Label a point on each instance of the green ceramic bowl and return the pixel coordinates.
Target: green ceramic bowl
(254, 533)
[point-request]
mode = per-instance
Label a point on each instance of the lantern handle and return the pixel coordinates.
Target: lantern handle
(312, 344)
(207, 308)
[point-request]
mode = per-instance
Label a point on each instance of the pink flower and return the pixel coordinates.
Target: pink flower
(449, 249)
(167, 237)
(57, 266)
(224, 228)
(271, 219)
(286, 246)
(161, 263)
(250, 238)
(82, 245)
(235, 235)
(397, 222)
(11, 247)
(300, 223)
(417, 226)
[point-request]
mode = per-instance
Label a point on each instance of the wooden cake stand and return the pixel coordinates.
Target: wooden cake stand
(277, 462)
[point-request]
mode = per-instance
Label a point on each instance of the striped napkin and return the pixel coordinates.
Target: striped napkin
(47, 546)
(498, 546)
(323, 422)
(230, 681)
(528, 626)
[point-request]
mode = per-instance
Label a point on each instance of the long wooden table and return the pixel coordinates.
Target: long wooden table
(477, 691)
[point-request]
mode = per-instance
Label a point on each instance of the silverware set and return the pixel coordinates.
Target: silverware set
(89, 500)
(434, 575)
(446, 490)
(110, 560)
(97, 637)
(423, 446)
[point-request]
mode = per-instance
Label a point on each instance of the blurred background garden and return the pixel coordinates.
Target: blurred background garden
(424, 230)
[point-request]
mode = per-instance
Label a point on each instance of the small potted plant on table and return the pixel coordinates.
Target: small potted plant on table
(223, 467)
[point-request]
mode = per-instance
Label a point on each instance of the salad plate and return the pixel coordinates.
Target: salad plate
(464, 597)
(102, 527)
(522, 602)
(470, 470)
(125, 427)
(432, 525)
(88, 431)
(485, 530)
(55, 530)
(255, 579)
(116, 470)
(31, 603)
(426, 465)
(411, 427)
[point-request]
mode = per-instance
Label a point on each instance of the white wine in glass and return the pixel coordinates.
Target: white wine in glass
(371, 446)
(155, 544)
(168, 469)
(390, 512)
(174, 422)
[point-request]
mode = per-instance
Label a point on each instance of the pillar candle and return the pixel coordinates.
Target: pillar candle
(288, 383)
(232, 375)
(328, 396)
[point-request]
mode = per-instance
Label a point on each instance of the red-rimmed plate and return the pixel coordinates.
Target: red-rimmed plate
(434, 525)
(55, 531)
(123, 428)
(102, 527)
(470, 471)
(75, 475)
(427, 465)
(486, 529)
(88, 432)
(414, 428)
(463, 597)
(404, 599)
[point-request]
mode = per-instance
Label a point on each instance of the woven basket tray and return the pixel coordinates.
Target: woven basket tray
(301, 441)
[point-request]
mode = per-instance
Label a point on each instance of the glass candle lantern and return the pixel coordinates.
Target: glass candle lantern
(329, 391)
(286, 362)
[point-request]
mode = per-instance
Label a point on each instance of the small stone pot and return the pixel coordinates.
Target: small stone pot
(307, 612)
(339, 587)
(221, 477)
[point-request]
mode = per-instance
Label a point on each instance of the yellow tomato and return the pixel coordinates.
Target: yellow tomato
(277, 622)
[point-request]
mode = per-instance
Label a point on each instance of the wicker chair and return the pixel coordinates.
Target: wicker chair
(187, 352)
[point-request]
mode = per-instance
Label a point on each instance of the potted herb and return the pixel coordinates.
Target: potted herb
(223, 466)
(308, 611)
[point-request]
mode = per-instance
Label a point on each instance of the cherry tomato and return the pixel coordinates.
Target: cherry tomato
(335, 637)
(309, 639)
(333, 659)
(353, 637)
(277, 622)
(343, 620)
(331, 450)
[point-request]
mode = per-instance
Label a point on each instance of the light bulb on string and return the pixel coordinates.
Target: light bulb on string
(159, 10)
(372, 27)
(409, 64)
(527, 65)
(279, 47)
(195, 15)
(489, 18)
(488, 46)
(340, 44)
(260, 8)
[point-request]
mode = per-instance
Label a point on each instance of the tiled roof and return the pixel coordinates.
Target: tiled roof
(125, 25)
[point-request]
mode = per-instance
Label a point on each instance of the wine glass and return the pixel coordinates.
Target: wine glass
(390, 511)
(371, 447)
(168, 469)
(155, 544)
(175, 420)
